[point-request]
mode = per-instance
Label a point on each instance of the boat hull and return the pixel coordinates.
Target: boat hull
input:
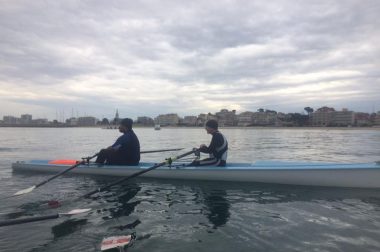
(365, 175)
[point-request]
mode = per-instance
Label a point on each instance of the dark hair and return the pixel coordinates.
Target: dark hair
(212, 124)
(127, 122)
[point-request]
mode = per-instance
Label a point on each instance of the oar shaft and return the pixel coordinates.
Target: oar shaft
(26, 220)
(137, 174)
(122, 180)
(163, 150)
(59, 174)
(67, 170)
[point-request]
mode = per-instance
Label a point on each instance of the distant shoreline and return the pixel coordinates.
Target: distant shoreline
(195, 127)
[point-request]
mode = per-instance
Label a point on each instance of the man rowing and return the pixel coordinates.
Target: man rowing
(126, 149)
(217, 149)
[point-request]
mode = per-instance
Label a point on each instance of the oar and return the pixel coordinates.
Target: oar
(119, 242)
(163, 150)
(167, 161)
(40, 218)
(30, 189)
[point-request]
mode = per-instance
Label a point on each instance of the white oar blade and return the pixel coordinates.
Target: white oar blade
(25, 191)
(115, 242)
(77, 211)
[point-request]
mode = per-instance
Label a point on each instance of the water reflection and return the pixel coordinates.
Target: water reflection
(118, 201)
(131, 225)
(120, 204)
(217, 207)
(67, 227)
(178, 215)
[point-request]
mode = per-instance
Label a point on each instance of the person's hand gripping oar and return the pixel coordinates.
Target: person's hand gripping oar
(166, 162)
(84, 161)
(78, 211)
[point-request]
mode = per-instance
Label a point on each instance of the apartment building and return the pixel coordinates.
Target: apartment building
(167, 120)
(145, 120)
(342, 118)
(264, 118)
(189, 121)
(203, 118)
(226, 118)
(245, 119)
(377, 119)
(87, 121)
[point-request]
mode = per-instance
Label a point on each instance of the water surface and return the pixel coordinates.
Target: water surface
(169, 215)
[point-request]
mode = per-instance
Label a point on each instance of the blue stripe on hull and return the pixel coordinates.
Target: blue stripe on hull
(238, 166)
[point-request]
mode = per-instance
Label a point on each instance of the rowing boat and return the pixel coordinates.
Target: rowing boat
(362, 175)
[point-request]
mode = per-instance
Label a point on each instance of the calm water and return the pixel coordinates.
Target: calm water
(169, 215)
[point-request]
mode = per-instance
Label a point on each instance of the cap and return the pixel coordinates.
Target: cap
(127, 122)
(212, 124)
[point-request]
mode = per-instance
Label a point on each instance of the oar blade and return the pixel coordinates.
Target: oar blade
(116, 242)
(76, 211)
(25, 191)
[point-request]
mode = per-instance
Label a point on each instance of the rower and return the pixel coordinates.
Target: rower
(126, 149)
(217, 149)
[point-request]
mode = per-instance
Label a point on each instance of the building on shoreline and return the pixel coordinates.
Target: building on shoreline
(226, 118)
(343, 118)
(24, 120)
(377, 119)
(167, 120)
(189, 121)
(145, 121)
(322, 117)
(87, 121)
(245, 119)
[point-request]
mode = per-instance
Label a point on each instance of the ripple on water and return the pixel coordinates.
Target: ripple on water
(172, 215)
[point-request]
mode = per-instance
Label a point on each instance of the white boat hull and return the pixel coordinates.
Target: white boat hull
(310, 174)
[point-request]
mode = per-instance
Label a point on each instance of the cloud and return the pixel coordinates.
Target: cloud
(150, 58)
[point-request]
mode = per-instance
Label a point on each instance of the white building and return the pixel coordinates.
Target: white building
(264, 118)
(145, 120)
(11, 120)
(377, 118)
(167, 120)
(72, 121)
(343, 118)
(26, 119)
(87, 121)
(189, 121)
(226, 118)
(245, 118)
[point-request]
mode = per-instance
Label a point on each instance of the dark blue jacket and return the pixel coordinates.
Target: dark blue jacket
(128, 146)
(218, 147)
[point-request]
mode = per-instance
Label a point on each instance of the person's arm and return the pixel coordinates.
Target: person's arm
(210, 149)
(122, 140)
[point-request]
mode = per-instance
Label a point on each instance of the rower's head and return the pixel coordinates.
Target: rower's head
(125, 125)
(211, 126)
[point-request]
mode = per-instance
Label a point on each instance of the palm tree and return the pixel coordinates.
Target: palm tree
(309, 110)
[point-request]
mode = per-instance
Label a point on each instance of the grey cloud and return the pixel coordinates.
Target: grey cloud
(190, 43)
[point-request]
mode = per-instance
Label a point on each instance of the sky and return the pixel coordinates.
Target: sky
(88, 58)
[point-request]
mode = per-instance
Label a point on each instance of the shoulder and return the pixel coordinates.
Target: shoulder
(219, 136)
(129, 135)
(125, 136)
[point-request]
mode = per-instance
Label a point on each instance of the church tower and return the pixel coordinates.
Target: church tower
(116, 121)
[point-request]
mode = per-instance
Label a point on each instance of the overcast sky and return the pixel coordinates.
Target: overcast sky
(145, 58)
